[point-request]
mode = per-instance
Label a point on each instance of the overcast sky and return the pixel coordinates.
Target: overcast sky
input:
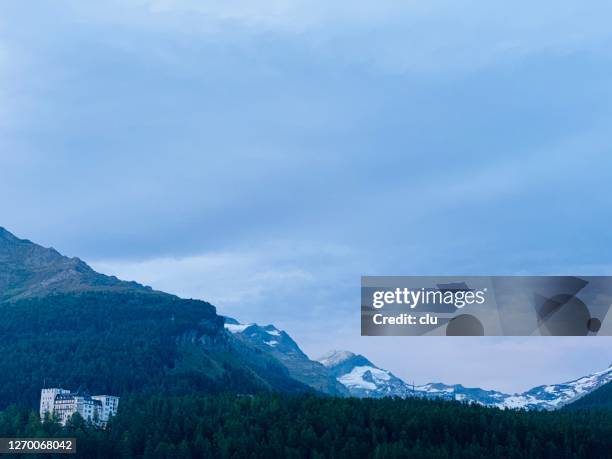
(265, 155)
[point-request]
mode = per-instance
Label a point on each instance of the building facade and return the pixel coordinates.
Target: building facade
(63, 404)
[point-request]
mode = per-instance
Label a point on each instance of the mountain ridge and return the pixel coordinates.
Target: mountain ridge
(364, 379)
(30, 270)
(278, 344)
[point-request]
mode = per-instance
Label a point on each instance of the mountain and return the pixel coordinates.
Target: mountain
(28, 270)
(600, 398)
(278, 344)
(364, 379)
(65, 325)
(546, 397)
(461, 393)
(555, 396)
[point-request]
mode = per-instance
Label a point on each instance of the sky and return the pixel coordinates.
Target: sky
(264, 155)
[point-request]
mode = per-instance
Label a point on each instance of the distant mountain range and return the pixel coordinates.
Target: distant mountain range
(68, 325)
(362, 378)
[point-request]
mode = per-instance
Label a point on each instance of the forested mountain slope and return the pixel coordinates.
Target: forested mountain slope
(65, 325)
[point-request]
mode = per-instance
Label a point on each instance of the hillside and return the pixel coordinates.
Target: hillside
(65, 325)
(28, 270)
(279, 345)
(598, 399)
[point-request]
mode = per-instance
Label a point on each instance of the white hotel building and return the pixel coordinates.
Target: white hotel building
(61, 403)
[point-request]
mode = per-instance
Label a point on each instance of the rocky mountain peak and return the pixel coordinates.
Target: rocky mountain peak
(30, 270)
(335, 357)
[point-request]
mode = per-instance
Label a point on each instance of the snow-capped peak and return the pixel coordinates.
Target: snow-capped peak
(554, 396)
(365, 377)
(334, 358)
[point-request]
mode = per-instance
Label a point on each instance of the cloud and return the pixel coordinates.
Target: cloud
(226, 279)
(4, 112)
(308, 288)
(279, 278)
(264, 155)
(390, 37)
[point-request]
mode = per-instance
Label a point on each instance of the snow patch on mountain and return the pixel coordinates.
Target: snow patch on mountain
(237, 328)
(365, 377)
(435, 388)
(554, 396)
(334, 358)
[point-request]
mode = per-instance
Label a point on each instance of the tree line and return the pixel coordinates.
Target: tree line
(312, 427)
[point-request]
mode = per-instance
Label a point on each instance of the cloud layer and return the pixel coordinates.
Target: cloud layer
(265, 155)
